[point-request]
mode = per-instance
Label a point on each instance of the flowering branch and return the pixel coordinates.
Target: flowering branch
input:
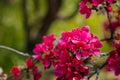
(71, 55)
(14, 50)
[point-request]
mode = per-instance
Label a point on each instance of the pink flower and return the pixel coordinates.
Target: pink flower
(46, 61)
(85, 9)
(15, 71)
(114, 59)
(39, 49)
(80, 42)
(49, 38)
(29, 63)
(86, 6)
(44, 51)
(117, 46)
(46, 46)
(71, 69)
(109, 9)
(114, 62)
(111, 1)
(66, 54)
(117, 37)
(96, 2)
(49, 41)
(36, 74)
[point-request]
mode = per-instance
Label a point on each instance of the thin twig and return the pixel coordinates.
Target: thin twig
(102, 66)
(110, 23)
(107, 39)
(9, 77)
(13, 50)
(97, 74)
(99, 68)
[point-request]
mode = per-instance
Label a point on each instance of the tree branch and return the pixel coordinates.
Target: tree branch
(101, 67)
(25, 24)
(71, 15)
(53, 9)
(107, 39)
(13, 50)
(97, 74)
(36, 5)
(110, 23)
(97, 71)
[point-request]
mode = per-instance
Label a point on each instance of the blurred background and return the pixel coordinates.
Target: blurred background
(24, 22)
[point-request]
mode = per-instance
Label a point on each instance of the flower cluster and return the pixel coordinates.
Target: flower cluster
(68, 53)
(30, 65)
(36, 74)
(114, 59)
(70, 69)
(93, 4)
(44, 51)
(16, 71)
(114, 62)
(80, 42)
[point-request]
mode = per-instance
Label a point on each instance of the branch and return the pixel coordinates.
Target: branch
(96, 71)
(70, 16)
(110, 23)
(13, 50)
(9, 77)
(97, 74)
(25, 23)
(107, 39)
(36, 5)
(53, 9)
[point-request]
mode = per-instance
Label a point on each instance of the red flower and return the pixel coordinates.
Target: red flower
(85, 9)
(81, 42)
(117, 37)
(29, 63)
(15, 71)
(71, 69)
(86, 6)
(114, 62)
(66, 54)
(36, 74)
(44, 51)
(109, 8)
(111, 1)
